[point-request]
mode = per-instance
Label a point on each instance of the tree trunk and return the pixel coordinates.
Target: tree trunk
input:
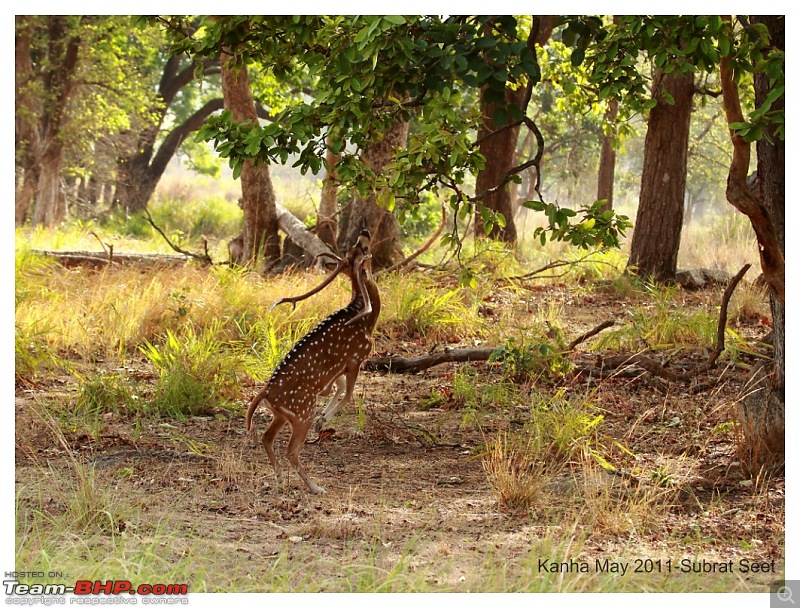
(326, 218)
(25, 135)
(499, 150)
(763, 411)
(657, 233)
(50, 205)
(135, 183)
(608, 160)
(367, 214)
(771, 171)
(260, 235)
(62, 54)
(139, 173)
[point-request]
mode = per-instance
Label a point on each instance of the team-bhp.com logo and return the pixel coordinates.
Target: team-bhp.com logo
(86, 592)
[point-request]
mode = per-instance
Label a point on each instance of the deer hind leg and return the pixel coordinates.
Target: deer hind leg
(299, 432)
(344, 394)
(268, 439)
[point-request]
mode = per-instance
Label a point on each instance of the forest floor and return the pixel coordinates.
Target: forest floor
(409, 505)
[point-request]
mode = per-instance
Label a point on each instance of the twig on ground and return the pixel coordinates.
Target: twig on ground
(590, 333)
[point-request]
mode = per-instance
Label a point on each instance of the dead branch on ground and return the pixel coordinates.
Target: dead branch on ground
(656, 369)
(412, 365)
(589, 334)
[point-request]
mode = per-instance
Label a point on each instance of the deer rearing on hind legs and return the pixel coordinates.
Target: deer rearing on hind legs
(330, 354)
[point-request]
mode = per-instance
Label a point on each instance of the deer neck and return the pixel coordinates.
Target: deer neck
(374, 298)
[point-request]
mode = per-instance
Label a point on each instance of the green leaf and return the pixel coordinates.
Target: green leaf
(500, 117)
(724, 45)
(486, 42)
(395, 19)
(577, 57)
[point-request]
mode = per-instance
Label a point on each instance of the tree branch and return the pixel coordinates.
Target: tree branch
(202, 257)
(422, 249)
(742, 197)
(175, 138)
(589, 334)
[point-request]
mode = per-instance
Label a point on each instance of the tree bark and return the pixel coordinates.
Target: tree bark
(762, 410)
(659, 219)
(499, 150)
(771, 171)
(57, 83)
(367, 214)
(25, 135)
(326, 218)
(260, 235)
(608, 160)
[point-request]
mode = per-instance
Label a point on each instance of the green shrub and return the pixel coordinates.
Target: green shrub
(196, 375)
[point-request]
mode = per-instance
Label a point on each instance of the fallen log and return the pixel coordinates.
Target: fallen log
(412, 365)
(100, 259)
(300, 235)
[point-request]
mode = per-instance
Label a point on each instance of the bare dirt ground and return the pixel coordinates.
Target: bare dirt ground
(406, 485)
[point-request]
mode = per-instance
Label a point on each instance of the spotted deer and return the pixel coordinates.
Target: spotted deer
(330, 354)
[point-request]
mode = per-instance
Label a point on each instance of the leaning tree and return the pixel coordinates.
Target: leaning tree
(762, 199)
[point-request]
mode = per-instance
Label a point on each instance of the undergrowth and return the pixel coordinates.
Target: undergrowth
(141, 347)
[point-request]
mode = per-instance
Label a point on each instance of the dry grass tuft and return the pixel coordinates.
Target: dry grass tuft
(516, 473)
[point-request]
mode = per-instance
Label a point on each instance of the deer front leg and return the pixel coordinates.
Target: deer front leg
(344, 394)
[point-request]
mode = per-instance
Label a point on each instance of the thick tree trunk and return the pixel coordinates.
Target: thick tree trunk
(62, 55)
(50, 205)
(657, 233)
(135, 182)
(608, 160)
(771, 173)
(260, 235)
(25, 135)
(26, 194)
(367, 214)
(498, 147)
(763, 411)
(139, 173)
